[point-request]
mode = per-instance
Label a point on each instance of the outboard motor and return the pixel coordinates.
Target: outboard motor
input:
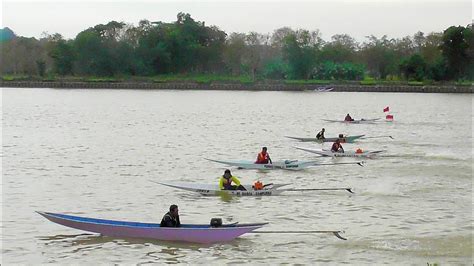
(216, 222)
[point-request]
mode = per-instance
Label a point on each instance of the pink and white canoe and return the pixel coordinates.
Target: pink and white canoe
(195, 233)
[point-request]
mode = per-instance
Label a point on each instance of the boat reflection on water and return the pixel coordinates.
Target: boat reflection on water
(97, 239)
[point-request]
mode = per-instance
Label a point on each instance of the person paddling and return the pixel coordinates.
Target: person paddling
(171, 218)
(341, 138)
(225, 182)
(348, 118)
(263, 157)
(337, 147)
(320, 134)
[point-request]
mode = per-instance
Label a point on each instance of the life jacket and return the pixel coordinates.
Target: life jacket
(262, 158)
(258, 185)
(359, 150)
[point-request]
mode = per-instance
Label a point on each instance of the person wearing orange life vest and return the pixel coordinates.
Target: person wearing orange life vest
(337, 147)
(263, 157)
(225, 182)
(258, 185)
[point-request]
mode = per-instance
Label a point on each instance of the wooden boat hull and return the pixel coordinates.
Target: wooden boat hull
(348, 139)
(186, 233)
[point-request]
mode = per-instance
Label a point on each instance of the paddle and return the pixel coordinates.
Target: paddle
(358, 163)
(377, 137)
(316, 189)
(336, 233)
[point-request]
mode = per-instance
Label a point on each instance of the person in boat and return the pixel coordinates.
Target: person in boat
(341, 138)
(171, 218)
(225, 182)
(263, 157)
(348, 118)
(337, 147)
(320, 134)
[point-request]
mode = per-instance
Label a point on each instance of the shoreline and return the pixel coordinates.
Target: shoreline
(228, 86)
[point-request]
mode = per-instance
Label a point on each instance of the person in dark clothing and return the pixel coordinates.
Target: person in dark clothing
(337, 147)
(348, 118)
(320, 134)
(171, 218)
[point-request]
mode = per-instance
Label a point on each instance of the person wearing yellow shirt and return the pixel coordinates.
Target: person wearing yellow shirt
(225, 182)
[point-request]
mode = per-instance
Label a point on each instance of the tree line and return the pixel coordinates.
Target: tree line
(187, 46)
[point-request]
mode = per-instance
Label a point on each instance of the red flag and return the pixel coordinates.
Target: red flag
(386, 109)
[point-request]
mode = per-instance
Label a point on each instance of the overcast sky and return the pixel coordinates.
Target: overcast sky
(394, 18)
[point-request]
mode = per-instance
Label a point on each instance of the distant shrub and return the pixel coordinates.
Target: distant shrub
(415, 83)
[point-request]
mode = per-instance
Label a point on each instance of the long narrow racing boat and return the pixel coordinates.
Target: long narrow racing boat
(196, 233)
(346, 139)
(355, 121)
(329, 153)
(287, 164)
(267, 190)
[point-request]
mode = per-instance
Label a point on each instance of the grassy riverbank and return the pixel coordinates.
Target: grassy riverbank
(207, 79)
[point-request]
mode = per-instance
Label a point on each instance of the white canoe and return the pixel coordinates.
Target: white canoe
(323, 89)
(329, 153)
(356, 121)
(287, 164)
(213, 189)
(346, 139)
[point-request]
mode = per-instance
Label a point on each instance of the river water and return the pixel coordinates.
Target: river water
(94, 152)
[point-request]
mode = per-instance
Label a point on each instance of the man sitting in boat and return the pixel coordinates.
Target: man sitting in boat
(337, 147)
(171, 218)
(348, 118)
(225, 183)
(320, 134)
(341, 138)
(263, 157)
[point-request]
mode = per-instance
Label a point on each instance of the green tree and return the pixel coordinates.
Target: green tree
(414, 67)
(41, 66)
(275, 68)
(342, 48)
(93, 56)
(234, 52)
(63, 55)
(430, 48)
(338, 71)
(437, 71)
(300, 53)
(456, 42)
(379, 56)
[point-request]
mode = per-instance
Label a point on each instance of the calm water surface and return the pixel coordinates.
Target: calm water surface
(94, 152)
